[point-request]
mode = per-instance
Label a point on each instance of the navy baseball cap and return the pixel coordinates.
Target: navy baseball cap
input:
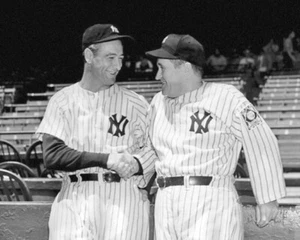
(184, 47)
(99, 33)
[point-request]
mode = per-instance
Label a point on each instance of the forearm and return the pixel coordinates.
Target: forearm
(265, 168)
(58, 156)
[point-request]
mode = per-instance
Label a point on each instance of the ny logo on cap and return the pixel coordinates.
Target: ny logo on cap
(165, 39)
(114, 29)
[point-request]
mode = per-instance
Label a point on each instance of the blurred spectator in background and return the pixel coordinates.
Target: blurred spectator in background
(273, 52)
(288, 51)
(20, 95)
(233, 60)
(247, 62)
(263, 66)
(277, 55)
(268, 51)
(216, 63)
(297, 44)
(143, 65)
(127, 70)
(2, 93)
(297, 53)
(247, 67)
(128, 62)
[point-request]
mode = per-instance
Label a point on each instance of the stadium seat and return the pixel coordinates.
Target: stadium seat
(240, 172)
(34, 156)
(8, 152)
(13, 187)
(18, 168)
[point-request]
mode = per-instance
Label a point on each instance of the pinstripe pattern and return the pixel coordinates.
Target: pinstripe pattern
(98, 210)
(198, 212)
(215, 153)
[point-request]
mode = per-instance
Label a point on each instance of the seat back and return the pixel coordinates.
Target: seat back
(18, 168)
(8, 152)
(13, 187)
(240, 172)
(34, 157)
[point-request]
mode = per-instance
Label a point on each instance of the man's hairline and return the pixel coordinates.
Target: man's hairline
(98, 46)
(196, 69)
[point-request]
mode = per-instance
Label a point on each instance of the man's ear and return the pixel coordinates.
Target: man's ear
(187, 66)
(88, 55)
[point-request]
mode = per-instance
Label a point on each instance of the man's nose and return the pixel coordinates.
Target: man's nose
(158, 75)
(118, 64)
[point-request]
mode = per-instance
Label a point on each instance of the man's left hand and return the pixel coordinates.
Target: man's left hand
(265, 213)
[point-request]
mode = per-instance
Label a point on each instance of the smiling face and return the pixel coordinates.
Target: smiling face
(171, 77)
(107, 61)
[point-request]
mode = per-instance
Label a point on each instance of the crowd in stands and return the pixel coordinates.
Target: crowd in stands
(273, 56)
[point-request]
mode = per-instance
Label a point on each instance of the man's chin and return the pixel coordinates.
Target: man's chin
(113, 78)
(170, 95)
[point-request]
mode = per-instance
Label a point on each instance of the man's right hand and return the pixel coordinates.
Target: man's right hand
(123, 163)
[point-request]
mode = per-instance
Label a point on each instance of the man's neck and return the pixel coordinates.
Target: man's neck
(91, 83)
(192, 83)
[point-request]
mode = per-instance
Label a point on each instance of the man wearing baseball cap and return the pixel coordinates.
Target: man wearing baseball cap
(94, 131)
(198, 129)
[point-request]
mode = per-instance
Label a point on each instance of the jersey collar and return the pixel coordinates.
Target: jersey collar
(189, 97)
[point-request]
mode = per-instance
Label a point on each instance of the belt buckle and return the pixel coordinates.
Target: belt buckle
(107, 177)
(161, 180)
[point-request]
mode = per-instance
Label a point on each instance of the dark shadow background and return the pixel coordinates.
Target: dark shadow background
(47, 34)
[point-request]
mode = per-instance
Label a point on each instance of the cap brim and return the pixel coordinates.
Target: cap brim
(116, 37)
(161, 53)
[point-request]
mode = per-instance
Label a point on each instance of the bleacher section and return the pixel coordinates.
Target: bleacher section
(277, 104)
(18, 122)
(146, 88)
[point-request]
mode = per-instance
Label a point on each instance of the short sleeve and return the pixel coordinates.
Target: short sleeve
(54, 121)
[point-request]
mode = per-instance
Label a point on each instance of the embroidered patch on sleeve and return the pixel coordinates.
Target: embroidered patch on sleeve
(251, 117)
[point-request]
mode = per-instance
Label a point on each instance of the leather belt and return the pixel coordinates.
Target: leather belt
(107, 177)
(163, 182)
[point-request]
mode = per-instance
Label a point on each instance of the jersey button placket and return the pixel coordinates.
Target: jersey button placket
(97, 120)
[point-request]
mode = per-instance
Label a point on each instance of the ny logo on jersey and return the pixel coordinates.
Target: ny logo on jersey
(117, 128)
(202, 123)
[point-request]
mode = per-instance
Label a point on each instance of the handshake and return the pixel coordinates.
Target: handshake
(123, 163)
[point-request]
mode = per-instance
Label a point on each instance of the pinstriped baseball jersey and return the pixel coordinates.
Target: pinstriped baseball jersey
(201, 133)
(108, 121)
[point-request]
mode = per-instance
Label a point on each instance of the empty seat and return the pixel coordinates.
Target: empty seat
(18, 168)
(13, 187)
(8, 152)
